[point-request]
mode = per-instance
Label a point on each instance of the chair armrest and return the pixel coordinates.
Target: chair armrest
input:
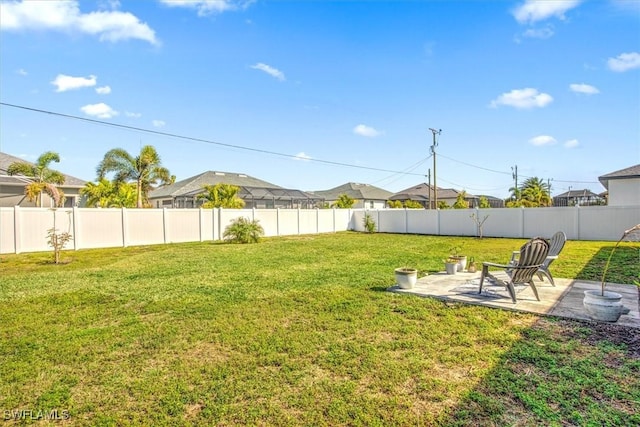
(492, 264)
(552, 257)
(508, 266)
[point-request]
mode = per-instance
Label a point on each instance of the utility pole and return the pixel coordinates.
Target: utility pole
(433, 151)
(514, 174)
(429, 187)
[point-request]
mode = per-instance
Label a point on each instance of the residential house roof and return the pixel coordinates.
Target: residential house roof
(355, 191)
(7, 159)
(577, 193)
(423, 191)
(486, 196)
(626, 173)
(195, 184)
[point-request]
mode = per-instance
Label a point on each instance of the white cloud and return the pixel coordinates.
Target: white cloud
(523, 98)
(364, 130)
(269, 70)
(572, 143)
(101, 111)
(104, 90)
(624, 62)
(584, 88)
(627, 5)
(538, 10)
(542, 140)
(109, 25)
(158, 123)
(132, 115)
(539, 33)
(302, 156)
(208, 7)
(64, 83)
(22, 72)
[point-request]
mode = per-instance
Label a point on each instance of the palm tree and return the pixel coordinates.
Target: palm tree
(146, 170)
(106, 194)
(535, 192)
(460, 202)
(98, 194)
(221, 196)
(42, 179)
(343, 202)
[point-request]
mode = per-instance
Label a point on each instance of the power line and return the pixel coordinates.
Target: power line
(396, 176)
(509, 173)
(257, 150)
(206, 141)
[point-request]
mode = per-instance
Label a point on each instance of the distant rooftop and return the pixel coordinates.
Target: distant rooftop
(355, 191)
(7, 159)
(626, 173)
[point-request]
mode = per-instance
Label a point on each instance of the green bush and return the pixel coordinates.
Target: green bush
(241, 230)
(369, 224)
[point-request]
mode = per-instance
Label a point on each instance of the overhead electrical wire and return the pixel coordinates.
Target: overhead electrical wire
(406, 171)
(206, 141)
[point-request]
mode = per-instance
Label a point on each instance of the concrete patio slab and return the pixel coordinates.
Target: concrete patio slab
(562, 300)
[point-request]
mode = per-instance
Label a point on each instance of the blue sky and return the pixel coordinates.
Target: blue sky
(342, 91)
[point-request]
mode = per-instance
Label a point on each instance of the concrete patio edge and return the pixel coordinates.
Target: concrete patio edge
(562, 300)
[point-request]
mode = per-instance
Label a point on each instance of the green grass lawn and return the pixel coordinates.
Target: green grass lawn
(300, 331)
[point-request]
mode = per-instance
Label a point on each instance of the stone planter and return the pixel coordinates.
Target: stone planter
(406, 278)
(607, 307)
(451, 267)
(461, 260)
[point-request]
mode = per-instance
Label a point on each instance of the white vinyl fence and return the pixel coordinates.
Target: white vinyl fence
(25, 229)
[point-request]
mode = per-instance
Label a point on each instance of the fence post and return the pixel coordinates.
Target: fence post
(406, 221)
(164, 225)
(200, 220)
(577, 221)
(278, 221)
(124, 227)
(74, 218)
(17, 232)
(298, 221)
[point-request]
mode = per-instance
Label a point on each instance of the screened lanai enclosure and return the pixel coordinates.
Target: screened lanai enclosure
(257, 197)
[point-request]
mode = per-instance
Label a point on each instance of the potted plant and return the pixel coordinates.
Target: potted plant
(606, 305)
(451, 265)
(472, 265)
(406, 277)
(460, 259)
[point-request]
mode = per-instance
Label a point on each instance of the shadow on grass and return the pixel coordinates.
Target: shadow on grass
(623, 268)
(564, 372)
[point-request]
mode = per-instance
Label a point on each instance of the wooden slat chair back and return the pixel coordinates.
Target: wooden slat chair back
(532, 256)
(556, 244)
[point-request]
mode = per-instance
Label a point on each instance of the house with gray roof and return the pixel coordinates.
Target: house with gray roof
(584, 197)
(365, 195)
(424, 194)
(12, 187)
(255, 192)
(623, 186)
